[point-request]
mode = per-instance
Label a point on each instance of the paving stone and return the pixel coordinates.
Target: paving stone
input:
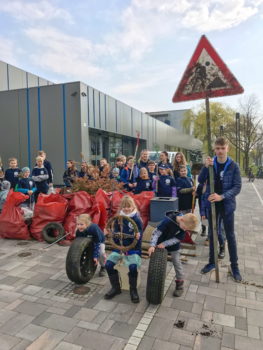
(236, 311)
(160, 328)
(31, 290)
(250, 304)
(241, 323)
(72, 311)
(30, 308)
(214, 304)
(105, 305)
(88, 325)
(15, 324)
(212, 292)
(60, 323)
(118, 344)
(85, 314)
(224, 320)
(56, 310)
(135, 318)
(146, 343)
(180, 336)
(121, 330)
(194, 297)
(167, 313)
(182, 305)
(197, 308)
(253, 332)
(95, 340)
(206, 343)
(255, 318)
(165, 345)
(8, 296)
(228, 340)
(22, 345)
(5, 315)
(106, 325)
(73, 335)
(48, 340)
(245, 343)
(31, 332)
(235, 331)
(7, 342)
(67, 346)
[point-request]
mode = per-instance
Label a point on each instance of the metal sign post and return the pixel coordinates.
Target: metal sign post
(212, 188)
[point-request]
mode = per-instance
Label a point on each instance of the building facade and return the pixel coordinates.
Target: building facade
(76, 121)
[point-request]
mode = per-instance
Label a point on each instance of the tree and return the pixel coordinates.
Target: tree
(194, 122)
(251, 133)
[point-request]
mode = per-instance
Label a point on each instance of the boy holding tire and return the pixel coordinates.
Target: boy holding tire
(168, 235)
(85, 228)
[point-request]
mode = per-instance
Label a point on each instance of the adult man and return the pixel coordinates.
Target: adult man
(227, 186)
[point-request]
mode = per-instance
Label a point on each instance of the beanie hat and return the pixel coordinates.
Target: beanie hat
(25, 169)
(116, 170)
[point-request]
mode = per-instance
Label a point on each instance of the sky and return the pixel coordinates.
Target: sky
(133, 50)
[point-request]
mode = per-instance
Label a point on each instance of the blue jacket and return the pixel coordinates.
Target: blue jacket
(231, 184)
(48, 166)
(40, 176)
(168, 232)
(125, 176)
(25, 185)
(165, 186)
(185, 199)
(143, 185)
(11, 175)
(94, 232)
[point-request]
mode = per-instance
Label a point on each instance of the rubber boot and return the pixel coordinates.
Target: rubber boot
(133, 287)
(115, 286)
(221, 253)
(203, 234)
(179, 288)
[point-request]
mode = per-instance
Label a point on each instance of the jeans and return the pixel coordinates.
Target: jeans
(228, 222)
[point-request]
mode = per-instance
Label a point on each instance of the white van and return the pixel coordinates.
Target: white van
(155, 156)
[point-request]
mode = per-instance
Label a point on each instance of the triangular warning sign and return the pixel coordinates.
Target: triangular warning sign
(206, 76)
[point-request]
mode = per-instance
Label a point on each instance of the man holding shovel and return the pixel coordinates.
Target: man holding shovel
(227, 182)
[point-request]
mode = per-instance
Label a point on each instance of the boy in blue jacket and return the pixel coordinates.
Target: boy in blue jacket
(85, 228)
(185, 189)
(40, 176)
(12, 173)
(129, 174)
(227, 182)
(168, 234)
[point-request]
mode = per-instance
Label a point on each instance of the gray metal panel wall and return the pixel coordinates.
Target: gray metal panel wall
(17, 78)
(3, 76)
(9, 130)
(84, 122)
(111, 114)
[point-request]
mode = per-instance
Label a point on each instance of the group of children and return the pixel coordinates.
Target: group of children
(22, 180)
(168, 235)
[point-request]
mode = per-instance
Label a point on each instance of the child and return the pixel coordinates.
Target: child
(143, 182)
(144, 159)
(151, 169)
(47, 165)
(70, 174)
(12, 173)
(119, 163)
(165, 184)
(5, 187)
(115, 174)
(126, 177)
(85, 228)
(185, 190)
(168, 235)
(132, 258)
(83, 169)
(2, 172)
(40, 176)
(27, 186)
(104, 168)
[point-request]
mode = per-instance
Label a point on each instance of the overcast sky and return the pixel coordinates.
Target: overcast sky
(136, 50)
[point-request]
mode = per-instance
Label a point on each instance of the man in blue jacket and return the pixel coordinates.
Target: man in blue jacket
(227, 182)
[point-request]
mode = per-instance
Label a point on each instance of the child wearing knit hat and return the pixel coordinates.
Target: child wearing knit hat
(27, 186)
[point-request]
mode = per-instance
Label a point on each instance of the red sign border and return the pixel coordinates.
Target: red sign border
(236, 87)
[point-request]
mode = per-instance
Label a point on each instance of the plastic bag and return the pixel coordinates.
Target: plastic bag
(12, 224)
(49, 208)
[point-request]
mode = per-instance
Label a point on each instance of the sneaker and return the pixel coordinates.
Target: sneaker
(102, 272)
(207, 268)
(236, 274)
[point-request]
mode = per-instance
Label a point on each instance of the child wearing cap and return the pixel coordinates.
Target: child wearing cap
(27, 186)
(115, 174)
(164, 185)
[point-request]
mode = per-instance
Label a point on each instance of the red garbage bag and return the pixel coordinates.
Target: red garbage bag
(49, 208)
(12, 224)
(103, 200)
(79, 203)
(142, 201)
